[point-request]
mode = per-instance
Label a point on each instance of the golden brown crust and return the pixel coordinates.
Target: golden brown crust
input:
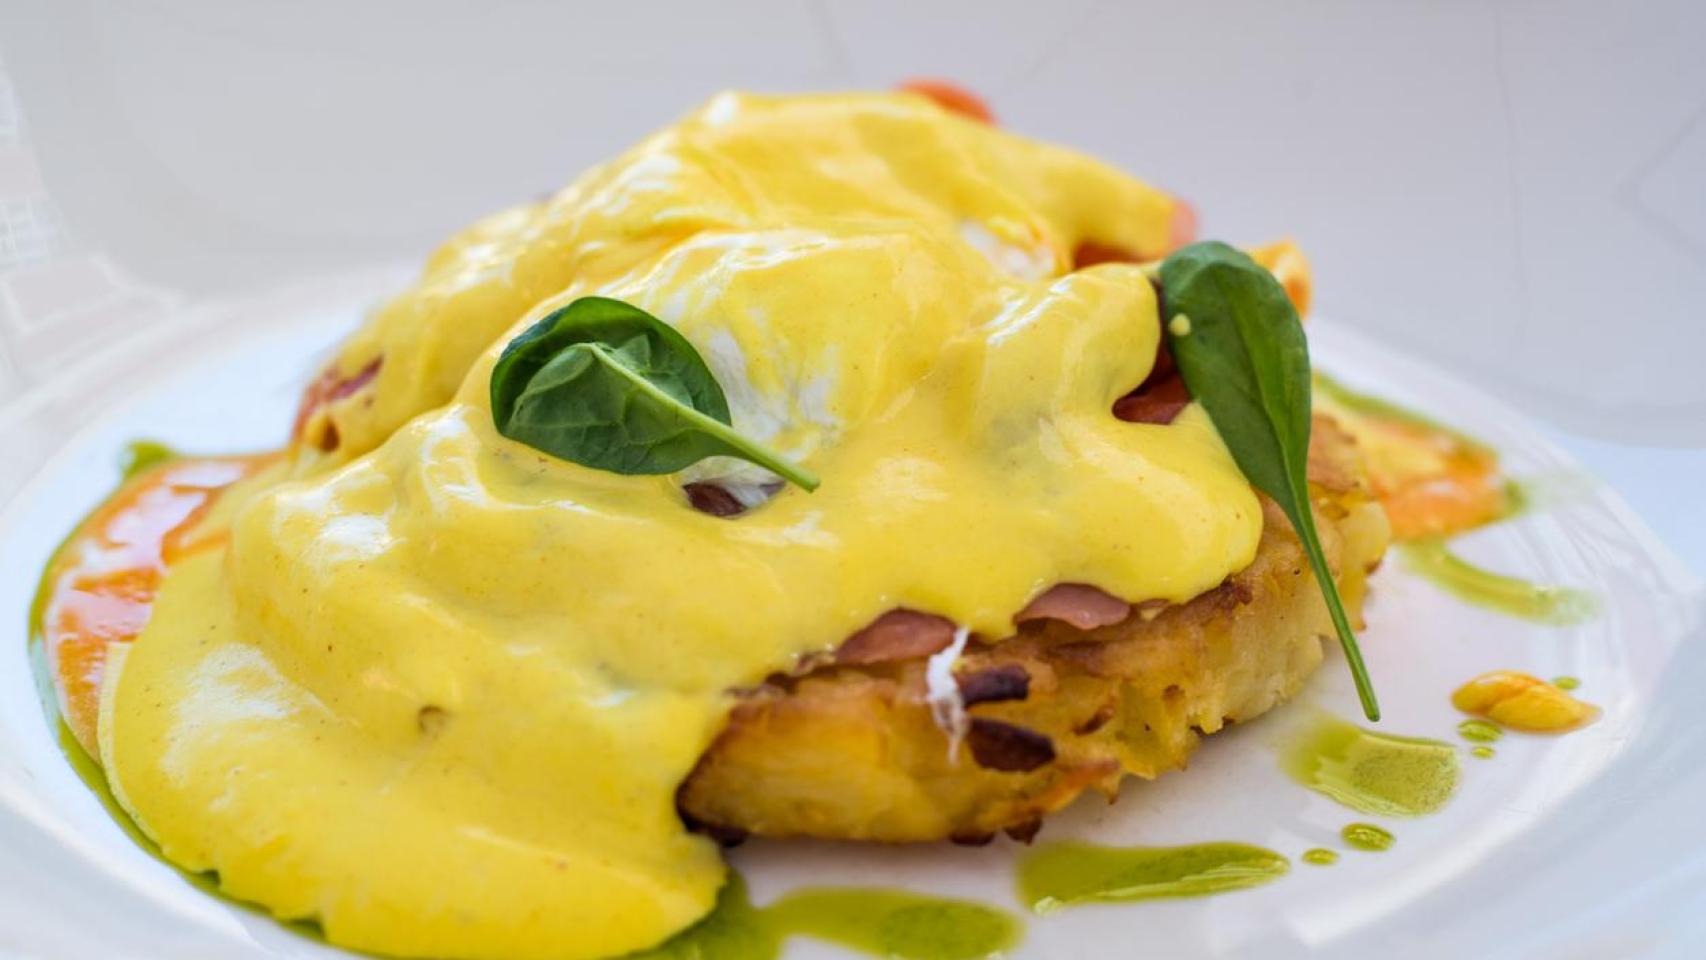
(852, 751)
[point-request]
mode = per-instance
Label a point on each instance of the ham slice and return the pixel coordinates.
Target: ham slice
(328, 388)
(1162, 394)
(713, 499)
(903, 634)
(897, 635)
(1158, 401)
(1078, 604)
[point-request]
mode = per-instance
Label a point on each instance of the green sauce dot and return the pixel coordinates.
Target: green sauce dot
(1566, 683)
(1482, 752)
(1321, 857)
(1479, 731)
(140, 455)
(1367, 836)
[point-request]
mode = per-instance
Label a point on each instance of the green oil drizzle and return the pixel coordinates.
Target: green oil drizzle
(140, 455)
(1566, 683)
(1375, 773)
(1556, 606)
(1519, 498)
(1321, 857)
(1539, 493)
(1365, 403)
(733, 930)
(1060, 874)
(883, 923)
(1481, 752)
(886, 923)
(1367, 836)
(1480, 731)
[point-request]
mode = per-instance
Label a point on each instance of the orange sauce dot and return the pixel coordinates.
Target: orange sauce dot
(1522, 702)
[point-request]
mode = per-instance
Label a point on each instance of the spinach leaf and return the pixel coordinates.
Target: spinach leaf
(607, 385)
(1240, 347)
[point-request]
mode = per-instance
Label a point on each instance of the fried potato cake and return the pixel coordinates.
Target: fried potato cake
(848, 747)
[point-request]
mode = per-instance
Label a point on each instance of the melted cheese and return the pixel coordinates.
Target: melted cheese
(439, 689)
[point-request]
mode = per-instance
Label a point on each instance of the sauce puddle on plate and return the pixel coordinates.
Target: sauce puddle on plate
(1061, 874)
(882, 923)
(1375, 773)
(1540, 603)
(1320, 857)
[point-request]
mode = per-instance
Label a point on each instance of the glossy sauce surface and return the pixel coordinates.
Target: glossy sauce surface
(511, 661)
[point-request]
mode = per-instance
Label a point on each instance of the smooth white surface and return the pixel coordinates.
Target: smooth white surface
(1588, 827)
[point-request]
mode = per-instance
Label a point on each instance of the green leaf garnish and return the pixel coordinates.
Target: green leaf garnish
(607, 385)
(1241, 350)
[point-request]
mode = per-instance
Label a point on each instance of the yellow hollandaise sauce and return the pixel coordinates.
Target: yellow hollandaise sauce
(435, 690)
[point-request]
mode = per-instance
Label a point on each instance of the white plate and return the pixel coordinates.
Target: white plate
(1586, 845)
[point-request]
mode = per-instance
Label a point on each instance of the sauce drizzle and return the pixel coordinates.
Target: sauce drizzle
(1062, 874)
(1541, 603)
(882, 923)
